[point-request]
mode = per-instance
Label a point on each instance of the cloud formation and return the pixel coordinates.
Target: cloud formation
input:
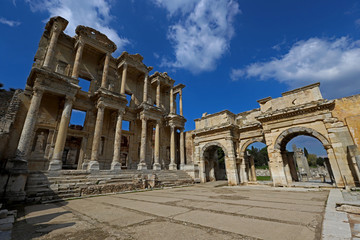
(333, 62)
(202, 32)
(10, 23)
(92, 13)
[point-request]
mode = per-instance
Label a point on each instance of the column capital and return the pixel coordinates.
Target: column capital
(172, 125)
(121, 111)
(100, 106)
(79, 43)
(125, 66)
(70, 98)
(38, 91)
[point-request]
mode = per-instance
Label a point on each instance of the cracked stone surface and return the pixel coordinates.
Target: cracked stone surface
(197, 212)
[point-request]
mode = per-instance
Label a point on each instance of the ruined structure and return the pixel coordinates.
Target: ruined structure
(39, 145)
(121, 90)
(303, 111)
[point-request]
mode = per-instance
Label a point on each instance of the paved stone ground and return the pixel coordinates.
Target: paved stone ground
(197, 212)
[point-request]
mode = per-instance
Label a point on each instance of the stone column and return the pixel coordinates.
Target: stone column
(146, 86)
(172, 101)
(180, 103)
(56, 160)
(123, 79)
(94, 164)
(116, 165)
(105, 71)
(24, 147)
(157, 165)
(79, 51)
(182, 149)
(158, 94)
(230, 164)
(243, 173)
(276, 168)
(252, 169)
(202, 173)
(142, 164)
(339, 181)
(56, 30)
(172, 165)
(287, 168)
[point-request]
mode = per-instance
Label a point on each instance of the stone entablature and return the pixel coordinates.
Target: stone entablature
(302, 111)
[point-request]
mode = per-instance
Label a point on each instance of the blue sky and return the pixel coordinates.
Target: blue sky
(228, 53)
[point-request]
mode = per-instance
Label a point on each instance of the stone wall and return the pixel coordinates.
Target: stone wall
(348, 111)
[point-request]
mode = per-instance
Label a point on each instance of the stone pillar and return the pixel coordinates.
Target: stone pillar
(116, 165)
(142, 163)
(339, 181)
(56, 160)
(79, 51)
(157, 165)
(24, 147)
(123, 79)
(202, 173)
(94, 164)
(172, 101)
(243, 173)
(158, 94)
(287, 168)
(276, 168)
(105, 70)
(172, 165)
(182, 149)
(230, 164)
(146, 86)
(180, 103)
(252, 169)
(56, 30)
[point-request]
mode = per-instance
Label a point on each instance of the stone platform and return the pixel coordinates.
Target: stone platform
(49, 186)
(202, 211)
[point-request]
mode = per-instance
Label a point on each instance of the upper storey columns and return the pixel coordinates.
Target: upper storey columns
(146, 87)
(78, 56)
(172, 110)
(58, 25)
(158, 94)
(105, 70)
(124, 77)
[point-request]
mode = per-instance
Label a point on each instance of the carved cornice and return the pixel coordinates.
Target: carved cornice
(95, 38)
(296, 110)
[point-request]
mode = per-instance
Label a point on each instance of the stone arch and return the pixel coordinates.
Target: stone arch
(211, 144)
(290, 133)
(249, 142)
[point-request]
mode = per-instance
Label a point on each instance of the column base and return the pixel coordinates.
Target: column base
(93, 166)
(18, 164)
(85, 166)
(182, 166)
(116, 166)
(157, 166)
(55, 165)
(141, 166)
(172, 166)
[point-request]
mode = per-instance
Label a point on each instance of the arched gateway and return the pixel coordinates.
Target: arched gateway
(302, 111)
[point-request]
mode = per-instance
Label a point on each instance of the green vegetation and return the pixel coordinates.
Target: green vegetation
(261, 157)
(263, 178)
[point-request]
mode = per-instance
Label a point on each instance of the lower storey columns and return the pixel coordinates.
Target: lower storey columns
(142, 163)
(94, 164)
(116, 165)
(23, 147)
(182, 149)
(56, 161)
(172, 165)
(157, 165)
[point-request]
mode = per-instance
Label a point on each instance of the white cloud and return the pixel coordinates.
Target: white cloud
(92, 13)
(202, 33)
(333, 62)
(9, 22)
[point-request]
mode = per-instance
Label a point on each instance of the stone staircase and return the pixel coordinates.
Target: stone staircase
(48, 186)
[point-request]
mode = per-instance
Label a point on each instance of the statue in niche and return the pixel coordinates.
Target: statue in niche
(39, 146)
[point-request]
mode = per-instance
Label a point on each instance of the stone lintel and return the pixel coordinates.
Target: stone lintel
(62, 21)
(178, 88)
(95, 38)
(264, 100)
(314, 85)
(164, 79)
